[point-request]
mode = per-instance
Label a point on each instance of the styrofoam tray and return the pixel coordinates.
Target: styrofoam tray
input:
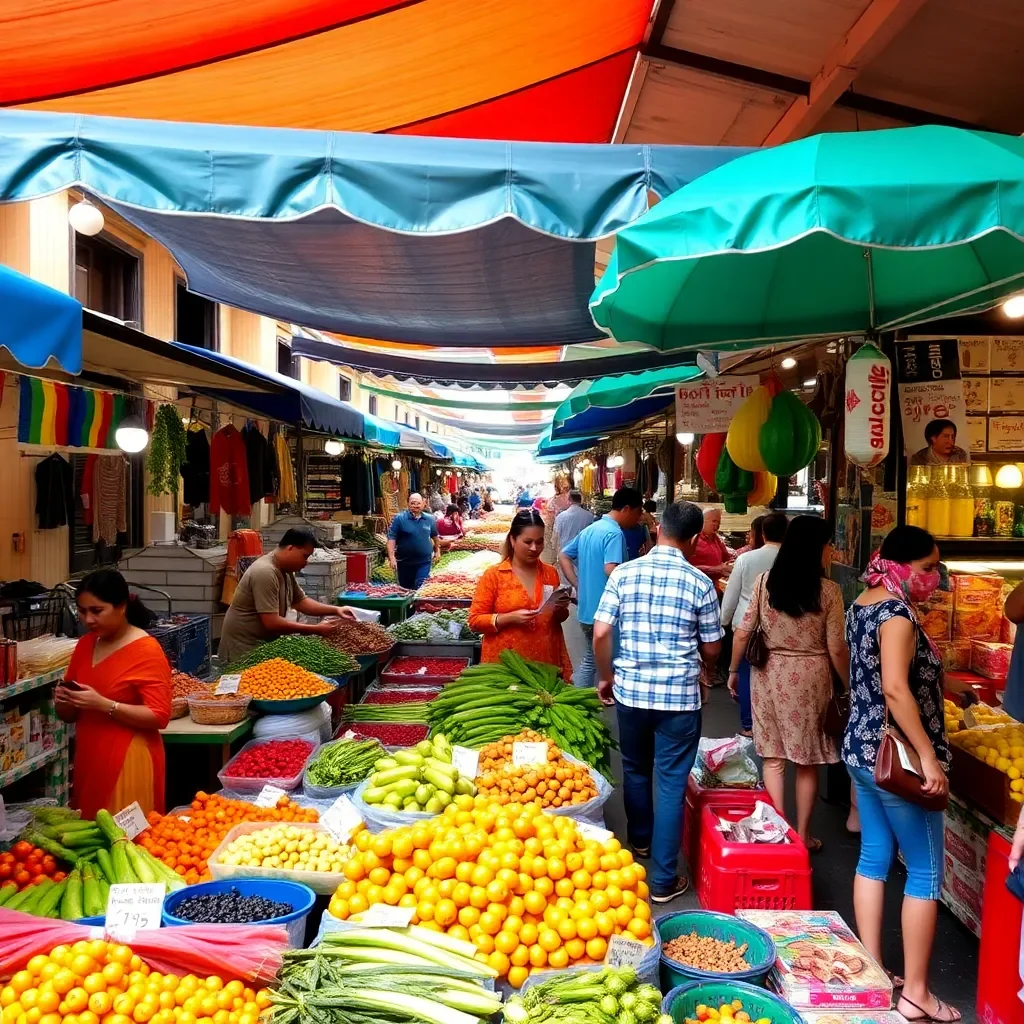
(247, 785)
(322, 882)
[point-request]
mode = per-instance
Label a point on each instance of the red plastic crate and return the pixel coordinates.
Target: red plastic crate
(998, 971)
(750, 876)
(697, 798)
(390, 678)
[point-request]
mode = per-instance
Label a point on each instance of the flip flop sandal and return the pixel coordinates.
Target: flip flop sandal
(815, 846)
(895, 979)
(643, 852)
(933, 1018)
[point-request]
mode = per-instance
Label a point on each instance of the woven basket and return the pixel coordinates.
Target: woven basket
(179, 707)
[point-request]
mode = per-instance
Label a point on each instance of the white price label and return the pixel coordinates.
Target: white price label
(529, 753)
(269, 795)
(588, 831)
(133, 908)
(342, 819)
(380, 915)
(228, 683)
(904, 757)
(455, 628)
(466, 762)
(132, 820)
(623, 952)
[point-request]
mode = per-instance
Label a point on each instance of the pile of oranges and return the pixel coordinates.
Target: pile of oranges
(187, 845)
(523, 886)
(556, 783)
(278, 679)
(94, 981)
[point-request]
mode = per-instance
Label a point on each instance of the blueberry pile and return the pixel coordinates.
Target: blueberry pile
(229, 908)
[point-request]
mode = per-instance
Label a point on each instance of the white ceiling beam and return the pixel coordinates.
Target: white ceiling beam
(880, 23)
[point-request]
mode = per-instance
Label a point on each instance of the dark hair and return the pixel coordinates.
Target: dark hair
(936, 427)
(907, 544)
(774, 526)
(110, 586)
(650, 506)
(576, 497)
(297, 537)
(794, 581)
(756, 525)
(681, 521)
(522, 520)
(626, 497)
(451, 510)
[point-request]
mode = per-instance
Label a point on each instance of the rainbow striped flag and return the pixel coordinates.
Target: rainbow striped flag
(65, 416)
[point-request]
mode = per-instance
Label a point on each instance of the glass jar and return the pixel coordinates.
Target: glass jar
(917, 497)
(984, 510)
(939, 504)
(961, 498)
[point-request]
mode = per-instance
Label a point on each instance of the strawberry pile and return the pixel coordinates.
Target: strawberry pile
(275, 759)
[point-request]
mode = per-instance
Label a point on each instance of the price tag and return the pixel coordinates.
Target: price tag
(380, 915)
(466, 762)
(455, 628)
(588, 831)
(133, 908)
(341, 819)
(269, 795)
(969, 720)
(529, 753)
(132, 820)
(228, 683)
(904, 757)
(623, 952)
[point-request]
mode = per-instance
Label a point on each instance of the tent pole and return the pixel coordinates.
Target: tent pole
(300, 469)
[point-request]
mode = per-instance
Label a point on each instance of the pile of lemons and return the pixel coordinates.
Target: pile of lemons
(1000, 743)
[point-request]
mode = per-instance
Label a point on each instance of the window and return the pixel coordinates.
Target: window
(287, 365)
(195, 319)
(344, 388)
(417, 423)
(107, 279)
(373, 405)
(406, 419)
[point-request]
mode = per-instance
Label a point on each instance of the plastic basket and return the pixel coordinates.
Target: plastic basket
(187, 644)
(300, 896)
(315, 792)
(207, 710)
(323, 883)
(389, 678)
(697, 798)
(760, 952)
(682, 1002)
(242, 784)
(750, 876)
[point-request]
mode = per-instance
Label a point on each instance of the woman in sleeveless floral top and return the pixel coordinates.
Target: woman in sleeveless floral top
(896, 673)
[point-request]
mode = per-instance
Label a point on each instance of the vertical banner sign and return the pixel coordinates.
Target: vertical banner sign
(708, 406)
(866, 400)
(933, 409)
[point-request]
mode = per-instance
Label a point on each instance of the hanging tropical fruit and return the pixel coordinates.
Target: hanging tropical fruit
(790, 436)
(765, 486)
(733, 483)
(868, 389)
(707, 457)
(743, 439)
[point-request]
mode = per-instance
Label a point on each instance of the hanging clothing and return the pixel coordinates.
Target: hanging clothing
(229, 474)
(286, 486)
(196, 471)
(261, 480)
(241, 544)
(87, 490)
(114, 763)
(355, 485)
(110, 516)
(54, 492)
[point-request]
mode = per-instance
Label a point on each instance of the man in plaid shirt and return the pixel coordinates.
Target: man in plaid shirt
(670, 632)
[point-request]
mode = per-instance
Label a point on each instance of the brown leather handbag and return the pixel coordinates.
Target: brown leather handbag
(757, 644)
(898, 770)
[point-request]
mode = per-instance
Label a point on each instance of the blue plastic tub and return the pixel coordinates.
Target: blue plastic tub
(682, 1002)
(289, 707)
(760, 952)
(300, 896)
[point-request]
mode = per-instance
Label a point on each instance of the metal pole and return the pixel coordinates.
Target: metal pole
(300, 470)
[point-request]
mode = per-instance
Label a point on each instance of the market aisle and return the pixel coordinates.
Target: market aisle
(954, 971)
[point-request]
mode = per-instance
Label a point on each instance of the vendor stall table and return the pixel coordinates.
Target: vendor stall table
(392, 609)
(184, 730)
(191, 772)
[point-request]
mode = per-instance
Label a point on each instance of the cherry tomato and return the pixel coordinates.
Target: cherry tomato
(21, 849)
(6, 870)
(60, 876)
(22, 878)
(49, 864)
(9, 884)
(7, 858)
(33, 864)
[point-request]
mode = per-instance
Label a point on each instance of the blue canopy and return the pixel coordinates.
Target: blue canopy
(597, 421)
(39, 323)
(381, 432)
(401, 238)
(298, 404)
(549, 450)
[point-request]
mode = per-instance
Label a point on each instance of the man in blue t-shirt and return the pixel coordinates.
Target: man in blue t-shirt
(590, 558)
(413, 543)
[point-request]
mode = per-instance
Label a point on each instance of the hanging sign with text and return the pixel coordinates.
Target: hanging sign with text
(708, 406)
(933, 409)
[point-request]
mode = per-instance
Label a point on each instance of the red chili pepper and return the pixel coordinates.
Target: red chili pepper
(393, 734)
(447, 667)
(401, 696)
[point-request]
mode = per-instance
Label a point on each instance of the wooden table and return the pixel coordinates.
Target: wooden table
(195, 754)
(185, 731)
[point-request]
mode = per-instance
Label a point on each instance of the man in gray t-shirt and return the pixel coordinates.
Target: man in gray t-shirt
(267, 592)
(571, 522)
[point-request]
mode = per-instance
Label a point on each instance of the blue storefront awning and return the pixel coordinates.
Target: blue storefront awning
(381, 432)
(297, 404)
(39, 323)
(597, 421)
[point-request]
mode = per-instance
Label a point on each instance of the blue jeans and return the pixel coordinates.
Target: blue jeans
(657, 746)
(412, 574)
(743, 693)
(887, 820)
(584, 673)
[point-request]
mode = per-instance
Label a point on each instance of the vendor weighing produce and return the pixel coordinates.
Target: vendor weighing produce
(265, 594)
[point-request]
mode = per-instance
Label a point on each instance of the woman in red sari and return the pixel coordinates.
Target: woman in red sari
(117, 690)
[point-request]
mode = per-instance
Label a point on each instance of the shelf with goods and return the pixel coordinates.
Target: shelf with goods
(32, 738)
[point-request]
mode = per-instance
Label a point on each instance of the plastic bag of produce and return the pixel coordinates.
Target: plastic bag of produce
(647, 969)
(313, 725)
(331, 793)
(725, 763)
(592, 811)
(378, 817)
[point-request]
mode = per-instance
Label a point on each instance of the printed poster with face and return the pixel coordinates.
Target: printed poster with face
(933, 407)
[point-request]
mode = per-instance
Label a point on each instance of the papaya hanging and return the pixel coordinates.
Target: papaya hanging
(707, 457)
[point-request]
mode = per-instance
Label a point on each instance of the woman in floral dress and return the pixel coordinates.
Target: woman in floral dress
(801, 616)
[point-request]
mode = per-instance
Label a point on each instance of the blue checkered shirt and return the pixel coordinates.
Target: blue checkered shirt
(664, 608)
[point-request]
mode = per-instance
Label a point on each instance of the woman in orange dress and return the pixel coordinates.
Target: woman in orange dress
(117, 690)
(507, 604)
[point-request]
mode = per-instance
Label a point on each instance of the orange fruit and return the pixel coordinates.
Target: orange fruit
(581, 879)
(534, 902)
(566, 930)
(544, 886)
(469, 916)
(484, 944)
(576, 948)
(506, 942)
(558, 958)
(639, 928)
(520, 956)
(446, 913)
(538, 955)
(549, 940)
(586, 928)
(500, 962)
(605, 921)
(528, 933)
(517, 975)
(596, 948)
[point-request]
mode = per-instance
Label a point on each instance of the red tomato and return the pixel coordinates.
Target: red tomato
(9, 884)
(33, 864)
(6, 870)
(49, 864)
(22, 878)
(7, 858)
(22, 849)
(60, 876)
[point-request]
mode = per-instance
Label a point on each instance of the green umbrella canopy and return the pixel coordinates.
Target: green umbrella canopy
(833, 234)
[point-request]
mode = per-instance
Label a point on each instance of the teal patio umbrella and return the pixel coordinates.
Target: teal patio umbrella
(833, 234)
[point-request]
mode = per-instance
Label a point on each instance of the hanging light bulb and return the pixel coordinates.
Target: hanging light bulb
(620, 461)
(86, 219)
(788, 363)
(396, 463)
(1009, 477)
(332, 446)
(1013, 307)
(131, 435)
(684, 438)
(610, 462)
(438, 471)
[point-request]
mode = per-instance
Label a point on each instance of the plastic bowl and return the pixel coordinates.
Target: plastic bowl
(368, 660)
(300, 896)
(760, 952)
(287, 707)
(682, 1001)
